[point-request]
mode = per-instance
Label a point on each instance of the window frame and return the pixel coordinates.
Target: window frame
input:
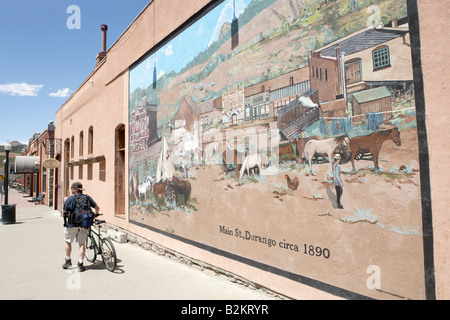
(378, 58)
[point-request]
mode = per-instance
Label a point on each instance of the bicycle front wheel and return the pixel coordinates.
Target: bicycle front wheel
(91, 250)
(109, 254)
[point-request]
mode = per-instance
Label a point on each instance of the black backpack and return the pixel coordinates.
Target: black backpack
(82, 215)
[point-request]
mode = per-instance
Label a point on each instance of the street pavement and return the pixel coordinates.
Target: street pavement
(32, 253)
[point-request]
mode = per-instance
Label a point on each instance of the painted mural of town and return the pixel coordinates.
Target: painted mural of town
(251, 125)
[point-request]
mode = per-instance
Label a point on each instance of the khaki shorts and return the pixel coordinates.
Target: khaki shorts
(80, 234)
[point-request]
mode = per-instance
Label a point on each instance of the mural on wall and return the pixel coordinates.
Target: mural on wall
(283, 133)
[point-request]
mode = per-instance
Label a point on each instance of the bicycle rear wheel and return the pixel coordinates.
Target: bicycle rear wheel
(109, 254)
(91, 250)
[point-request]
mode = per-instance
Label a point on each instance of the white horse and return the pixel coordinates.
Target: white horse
(325, 147)
(148, 181)
(251, 161)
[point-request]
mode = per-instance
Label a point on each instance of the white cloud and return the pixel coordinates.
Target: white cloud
(168, 51)
(61, 93)
(21, 89)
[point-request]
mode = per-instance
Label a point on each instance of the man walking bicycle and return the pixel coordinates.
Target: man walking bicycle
(72, 231)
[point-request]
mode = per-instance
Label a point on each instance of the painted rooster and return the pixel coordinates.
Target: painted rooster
(292, 183)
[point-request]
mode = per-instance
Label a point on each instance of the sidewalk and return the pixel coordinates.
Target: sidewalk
(32, 252)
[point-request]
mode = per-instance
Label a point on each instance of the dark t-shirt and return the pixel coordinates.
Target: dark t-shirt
(70, 204)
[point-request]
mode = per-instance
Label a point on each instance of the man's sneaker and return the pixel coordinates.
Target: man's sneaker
(67, 264)
(81, 268)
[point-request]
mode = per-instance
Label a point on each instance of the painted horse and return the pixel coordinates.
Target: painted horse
(372, 143)
(301, 143)
(181, 187)
(325, 147)
(251, 162)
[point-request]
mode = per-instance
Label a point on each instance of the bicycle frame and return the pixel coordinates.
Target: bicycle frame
(96, 247)
(97, 243)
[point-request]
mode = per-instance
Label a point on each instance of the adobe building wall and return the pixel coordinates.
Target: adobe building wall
(436, 80)
(296, 242)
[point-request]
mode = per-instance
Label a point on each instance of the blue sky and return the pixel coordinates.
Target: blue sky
(42, 61)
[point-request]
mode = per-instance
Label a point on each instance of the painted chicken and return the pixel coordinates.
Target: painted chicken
(292, 183)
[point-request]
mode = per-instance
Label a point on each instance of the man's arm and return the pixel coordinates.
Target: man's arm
(94, 205)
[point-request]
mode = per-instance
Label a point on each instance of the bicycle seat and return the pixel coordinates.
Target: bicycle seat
(97, 221)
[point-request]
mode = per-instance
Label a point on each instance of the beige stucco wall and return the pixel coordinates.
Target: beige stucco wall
(433, 34)
(400, 55)
(102, 101)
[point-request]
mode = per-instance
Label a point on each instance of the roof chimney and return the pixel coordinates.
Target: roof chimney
(339, 70)
(101, 55)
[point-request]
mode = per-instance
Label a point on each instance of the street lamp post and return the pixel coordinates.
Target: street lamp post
(7, 150)
(8, 211)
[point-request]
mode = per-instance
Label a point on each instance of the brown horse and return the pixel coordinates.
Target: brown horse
(232, 156)
(372, 143)
(286, 152)
(181, 187)
(159, 188)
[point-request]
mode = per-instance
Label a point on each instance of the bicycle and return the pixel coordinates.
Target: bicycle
(102, 246)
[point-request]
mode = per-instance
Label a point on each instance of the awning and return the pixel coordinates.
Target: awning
(26, 165)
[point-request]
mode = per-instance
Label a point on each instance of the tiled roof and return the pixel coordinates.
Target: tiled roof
(362, 41)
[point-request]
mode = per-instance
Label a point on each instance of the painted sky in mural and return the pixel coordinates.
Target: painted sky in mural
(176, 54)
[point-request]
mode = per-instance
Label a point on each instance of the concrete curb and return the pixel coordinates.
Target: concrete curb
(120, 235)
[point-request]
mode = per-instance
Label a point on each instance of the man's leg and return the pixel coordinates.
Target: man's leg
(69, 236)
(338, 196)
(81, 239)
(81, 252)
(68, 249)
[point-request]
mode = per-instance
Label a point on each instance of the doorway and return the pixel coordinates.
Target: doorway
(66, 167)
(353, 71)
(119, 174)
(57, 192)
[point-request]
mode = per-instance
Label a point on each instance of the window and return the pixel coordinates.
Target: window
(102, 170)
(81, 144)
(381, 58)
(91, 140)
(247, 113)
(89, 171)
(72, 143)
